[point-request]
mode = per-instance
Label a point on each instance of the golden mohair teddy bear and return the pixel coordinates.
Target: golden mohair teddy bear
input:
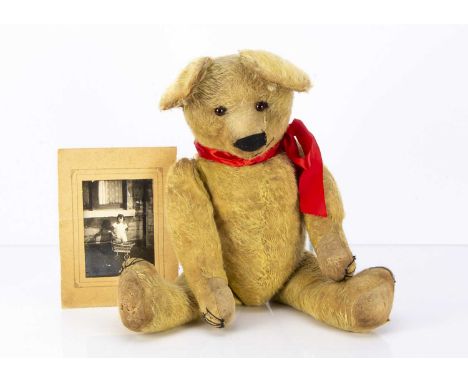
(238, 212)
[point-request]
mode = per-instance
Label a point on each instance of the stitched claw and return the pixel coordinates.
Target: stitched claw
(129, 262)
(211, 319)
(350, 268)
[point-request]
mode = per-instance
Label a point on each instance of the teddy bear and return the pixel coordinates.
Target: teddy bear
(238, 212)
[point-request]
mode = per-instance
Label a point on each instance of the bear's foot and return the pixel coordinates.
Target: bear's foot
(148, 303)
(370, 297)
(133, 300)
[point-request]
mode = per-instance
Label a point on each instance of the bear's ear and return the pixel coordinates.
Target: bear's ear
(182, 88)
(275, 69)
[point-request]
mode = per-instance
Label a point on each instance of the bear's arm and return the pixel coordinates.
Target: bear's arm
(195, 238)
(326, 234)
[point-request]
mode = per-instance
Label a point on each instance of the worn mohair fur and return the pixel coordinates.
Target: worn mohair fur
(238, 231)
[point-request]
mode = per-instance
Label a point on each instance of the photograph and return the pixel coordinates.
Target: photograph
(118, 224)
(111, 214)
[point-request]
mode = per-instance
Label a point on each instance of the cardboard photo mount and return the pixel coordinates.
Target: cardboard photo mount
(78, 165)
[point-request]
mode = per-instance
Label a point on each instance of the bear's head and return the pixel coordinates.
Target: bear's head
(241, 103)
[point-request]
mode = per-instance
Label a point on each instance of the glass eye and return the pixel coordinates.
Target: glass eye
(220, 110)
(262, 105)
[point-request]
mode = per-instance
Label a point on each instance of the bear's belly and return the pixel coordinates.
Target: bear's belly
(259, 223)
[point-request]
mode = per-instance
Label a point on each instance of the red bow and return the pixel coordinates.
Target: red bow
(310, 166)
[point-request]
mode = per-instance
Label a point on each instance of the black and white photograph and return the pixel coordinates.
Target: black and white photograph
(111, 216)
(118, 224)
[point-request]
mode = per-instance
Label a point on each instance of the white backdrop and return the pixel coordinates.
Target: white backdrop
(389, 109)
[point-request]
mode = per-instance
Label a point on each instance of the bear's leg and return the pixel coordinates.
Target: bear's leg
(147, 303)
(358, 304)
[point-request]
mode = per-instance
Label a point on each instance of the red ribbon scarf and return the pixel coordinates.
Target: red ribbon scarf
(310, 166)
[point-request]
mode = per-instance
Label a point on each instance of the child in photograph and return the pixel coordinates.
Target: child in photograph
(120, 229)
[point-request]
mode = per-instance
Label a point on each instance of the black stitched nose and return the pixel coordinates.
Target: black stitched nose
(252, 142)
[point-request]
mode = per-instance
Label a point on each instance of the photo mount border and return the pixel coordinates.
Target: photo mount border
(77, 165)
